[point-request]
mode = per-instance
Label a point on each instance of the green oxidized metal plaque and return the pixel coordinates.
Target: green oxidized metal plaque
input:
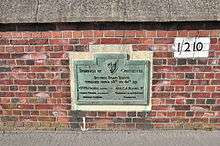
(112, 79)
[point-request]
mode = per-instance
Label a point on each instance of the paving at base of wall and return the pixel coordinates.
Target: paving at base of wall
(122, 138)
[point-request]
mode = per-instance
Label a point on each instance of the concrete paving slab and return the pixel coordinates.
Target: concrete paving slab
(112, 138)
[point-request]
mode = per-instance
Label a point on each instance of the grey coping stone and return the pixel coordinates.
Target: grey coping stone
(48, 11)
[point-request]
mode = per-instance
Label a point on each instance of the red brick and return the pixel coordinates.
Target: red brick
(131, 41)
(171, 114)
(183, 33)
(19, 42)
(215, 95)
(215, 120)
(201, 95)
(193, 33)
(170, 101)
(129, 33)
(210, 88)
(200, 82)
(200, 88)
(49, 119)
(202, 68)
(40, 69)
(109, 33)
(172, 34)
(163, 54)
(204, 33)
(204, 120)
(6, 82)
(141, 47)
(44, 107)
(58, 41)
(163, 68)
(98, 33)
(86, 41)
(216, 108)
(121, 114)
(161, 95)
(215, 47)
(161, 120)
(183, 69)
(67, 34)
(4, 55)
(140, 33)
(200, 101)
(161, 33)
(88, 33)
(180, 114)
(180, 95)
(213, 40)
(151, 33)
(179, 82)
(179, 88)
(77, 34)
(181, 107)
(41, 82)
(25, 106)
(56, 55)
(215, 82)
(22, 82)
(160, 107)
(38, 41)
(111, 41)
(209, 75)
(119, 33)
(163, 40)
(56, 34)
(180, 101)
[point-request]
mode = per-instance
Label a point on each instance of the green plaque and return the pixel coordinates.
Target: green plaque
(112, 79)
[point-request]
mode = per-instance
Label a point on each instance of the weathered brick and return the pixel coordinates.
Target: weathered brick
(5, 69)
(131, 114)
(4, 41)
(215, 82)
(181, 62)
(189, 114)
(200, 82)
(44, 106)
(210, 101)
(181, 107)
(13, 88)
(38, 41)
(30, 62)
(81, 48)
(41, 88)
(8, 118)
(19, 42)
(161, 95)
(191, 61)
(215, 120)
(189, 75)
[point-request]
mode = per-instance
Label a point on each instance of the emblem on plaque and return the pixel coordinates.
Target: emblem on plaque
(113, 66)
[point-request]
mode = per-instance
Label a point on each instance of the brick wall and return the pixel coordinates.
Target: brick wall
(35, 85)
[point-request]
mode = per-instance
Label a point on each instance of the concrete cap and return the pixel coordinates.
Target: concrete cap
(47, 11)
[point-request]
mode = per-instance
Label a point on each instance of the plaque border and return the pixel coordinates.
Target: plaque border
(111, 49)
